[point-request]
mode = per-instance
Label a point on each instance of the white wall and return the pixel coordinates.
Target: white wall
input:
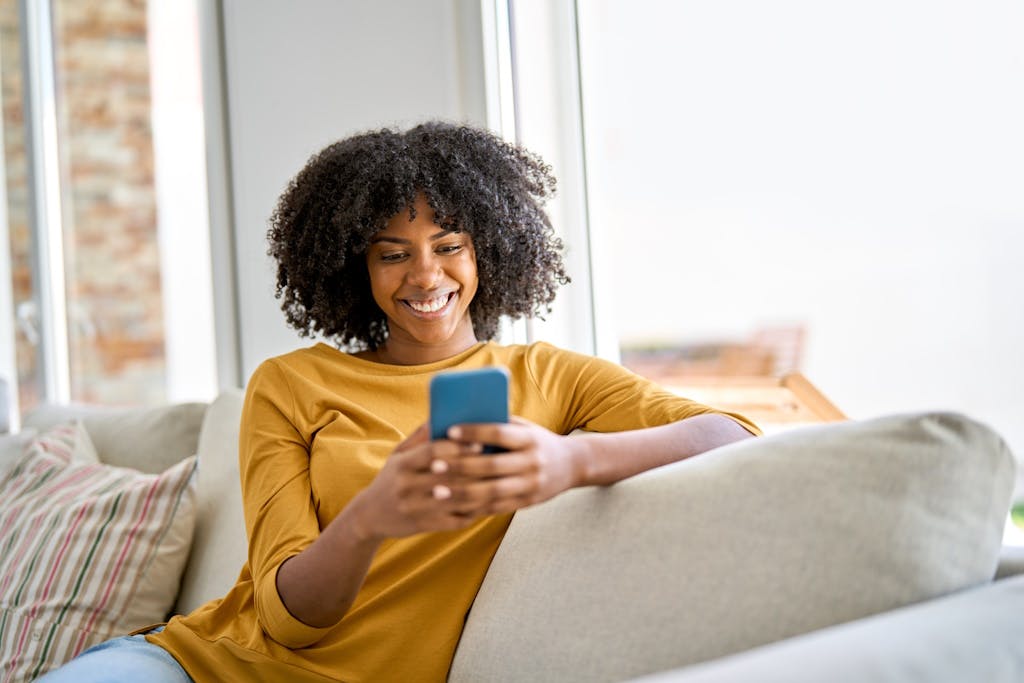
(896, 238)
(183, 228)
(300, 75)
(854, 167)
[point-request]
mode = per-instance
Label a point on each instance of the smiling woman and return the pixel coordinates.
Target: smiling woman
(367, 539)
(424, 281)
(472, 181)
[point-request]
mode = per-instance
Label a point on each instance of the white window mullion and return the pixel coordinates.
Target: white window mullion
(45, 191)
(549, 122)
(499, 88)
(8, 359)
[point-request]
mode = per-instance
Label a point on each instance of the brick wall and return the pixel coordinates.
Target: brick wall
(115, 317)
(16, 170)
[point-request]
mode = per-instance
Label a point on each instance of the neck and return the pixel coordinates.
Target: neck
(397, 351)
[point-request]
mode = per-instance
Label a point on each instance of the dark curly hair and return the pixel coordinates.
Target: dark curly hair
(473, 180)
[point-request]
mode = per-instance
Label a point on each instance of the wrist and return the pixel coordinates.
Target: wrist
(359, 520)
(581, 459)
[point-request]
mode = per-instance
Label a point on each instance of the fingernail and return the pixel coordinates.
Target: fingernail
(455, 433)
(442, 492)
(438, 466)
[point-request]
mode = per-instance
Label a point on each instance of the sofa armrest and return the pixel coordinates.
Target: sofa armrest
(844, 520)
(973, 635)
(1011, 561)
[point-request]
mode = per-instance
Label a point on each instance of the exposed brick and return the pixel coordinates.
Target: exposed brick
(111, 249)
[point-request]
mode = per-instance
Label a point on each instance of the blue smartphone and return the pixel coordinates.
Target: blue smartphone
(468, 396)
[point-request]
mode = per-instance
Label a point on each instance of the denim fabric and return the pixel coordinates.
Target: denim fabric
(128, 659)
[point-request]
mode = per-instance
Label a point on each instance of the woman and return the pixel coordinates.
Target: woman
(368, 541)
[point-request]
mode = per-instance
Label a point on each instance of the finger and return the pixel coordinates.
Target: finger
(509, 436)
(435, 456)
(419, 436)
(422, 486)
(509, 504)
(482, 496)
(490, 466)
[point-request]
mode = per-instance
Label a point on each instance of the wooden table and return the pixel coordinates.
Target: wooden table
(773, 403)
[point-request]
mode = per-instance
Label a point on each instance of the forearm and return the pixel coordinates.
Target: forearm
(603, 459)
(319, 585)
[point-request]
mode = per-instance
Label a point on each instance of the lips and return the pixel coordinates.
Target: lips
(433, 307)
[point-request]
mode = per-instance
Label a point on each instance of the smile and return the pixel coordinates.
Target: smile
(431, 306)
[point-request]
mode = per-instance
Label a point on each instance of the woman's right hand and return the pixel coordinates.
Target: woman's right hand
(411, 494)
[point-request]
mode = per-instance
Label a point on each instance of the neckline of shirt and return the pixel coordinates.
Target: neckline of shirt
(393, 369)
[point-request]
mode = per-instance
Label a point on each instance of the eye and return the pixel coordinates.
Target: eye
(449, 248)
(392, 257)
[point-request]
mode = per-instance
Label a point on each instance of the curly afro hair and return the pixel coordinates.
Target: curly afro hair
(474, 182)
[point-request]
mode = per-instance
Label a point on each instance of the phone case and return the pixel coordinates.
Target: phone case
(467, 396)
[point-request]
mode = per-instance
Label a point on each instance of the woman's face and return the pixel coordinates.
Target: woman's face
(423, 278)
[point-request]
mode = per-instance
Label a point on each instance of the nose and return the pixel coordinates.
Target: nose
(425, 271)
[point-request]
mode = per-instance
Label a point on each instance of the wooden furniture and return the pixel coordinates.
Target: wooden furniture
(773, 403)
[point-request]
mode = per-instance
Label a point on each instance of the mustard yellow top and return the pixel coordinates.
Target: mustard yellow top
(316, 428)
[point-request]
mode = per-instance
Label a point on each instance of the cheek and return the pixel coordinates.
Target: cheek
(379, 287)
(469, 269)
(470, 278)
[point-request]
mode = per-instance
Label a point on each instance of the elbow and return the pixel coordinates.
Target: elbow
(279, 624)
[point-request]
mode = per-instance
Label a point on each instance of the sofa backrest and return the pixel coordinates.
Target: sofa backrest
(147, 439)
(754, 542)
(219, 545)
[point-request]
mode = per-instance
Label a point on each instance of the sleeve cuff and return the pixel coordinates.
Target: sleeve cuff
(278, 622)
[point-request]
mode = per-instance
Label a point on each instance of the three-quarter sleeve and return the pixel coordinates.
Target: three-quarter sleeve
(601, 396)
(280, 517)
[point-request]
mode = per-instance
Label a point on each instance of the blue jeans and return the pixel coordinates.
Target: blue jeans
(127, 659)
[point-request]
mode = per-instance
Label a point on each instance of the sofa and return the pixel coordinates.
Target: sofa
(858, 551)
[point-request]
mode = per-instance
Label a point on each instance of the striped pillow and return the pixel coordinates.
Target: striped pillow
(87, 551)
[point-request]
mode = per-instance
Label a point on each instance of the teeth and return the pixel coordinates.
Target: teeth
(429, 306)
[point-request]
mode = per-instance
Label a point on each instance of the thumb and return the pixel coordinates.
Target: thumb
(420, 436)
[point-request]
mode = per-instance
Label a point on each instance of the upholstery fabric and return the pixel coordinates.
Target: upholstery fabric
(146, 439)
(746, 545)
(973, 635)
(219, 547)
(11, 448)
(87, 550)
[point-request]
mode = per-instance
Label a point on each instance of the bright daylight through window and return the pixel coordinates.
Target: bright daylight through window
(829, 188)
(107, 286)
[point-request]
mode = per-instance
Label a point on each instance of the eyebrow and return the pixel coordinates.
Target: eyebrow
(398, 240)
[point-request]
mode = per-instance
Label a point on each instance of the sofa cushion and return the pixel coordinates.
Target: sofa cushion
(742, 546)
(87, 550)
(12, 446)
(147, 439)
(219, 549)
(973, 635)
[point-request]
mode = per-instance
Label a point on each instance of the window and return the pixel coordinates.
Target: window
(829, 188)
(107, 238)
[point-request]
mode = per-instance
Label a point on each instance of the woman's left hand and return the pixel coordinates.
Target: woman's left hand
(537, 465)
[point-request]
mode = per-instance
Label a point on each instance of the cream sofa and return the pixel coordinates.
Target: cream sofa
(849, 552)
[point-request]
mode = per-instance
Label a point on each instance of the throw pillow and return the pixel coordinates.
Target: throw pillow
(87, 551)
(72, 439)
(742, 546)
